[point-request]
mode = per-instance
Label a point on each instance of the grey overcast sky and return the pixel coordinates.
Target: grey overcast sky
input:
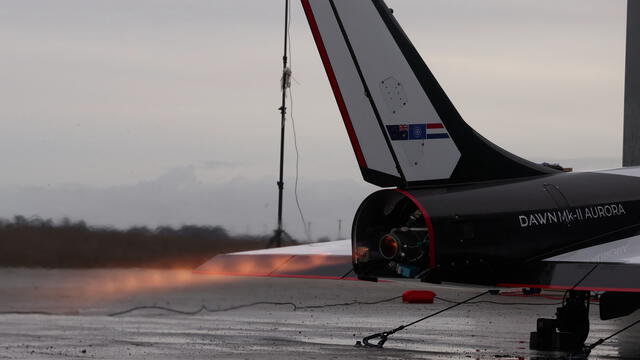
(169, 106)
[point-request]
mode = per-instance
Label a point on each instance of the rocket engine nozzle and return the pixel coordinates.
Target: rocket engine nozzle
(390, 237)
(390, 247)
(402, 245)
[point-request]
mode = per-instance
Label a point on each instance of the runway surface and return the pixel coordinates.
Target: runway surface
(76, 305)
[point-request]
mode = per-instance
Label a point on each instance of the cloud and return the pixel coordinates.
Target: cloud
(110, 95)
(216, 164)
(179, 197)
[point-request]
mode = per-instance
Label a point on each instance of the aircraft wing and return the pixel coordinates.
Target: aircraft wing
(612, 266)
(330, 260)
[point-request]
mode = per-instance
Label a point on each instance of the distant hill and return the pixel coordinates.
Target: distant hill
(36, 242)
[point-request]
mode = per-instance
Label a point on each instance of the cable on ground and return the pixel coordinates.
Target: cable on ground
(599, 342)
(295, 306)
(498, 302)
(27, 313)
(204, 308)
(384, 336)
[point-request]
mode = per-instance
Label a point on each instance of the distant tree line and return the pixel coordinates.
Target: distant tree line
(36, 242)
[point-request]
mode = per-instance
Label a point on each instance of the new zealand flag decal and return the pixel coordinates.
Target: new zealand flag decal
(398, 132)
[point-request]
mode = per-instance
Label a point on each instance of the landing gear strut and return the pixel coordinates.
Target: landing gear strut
(569, 330)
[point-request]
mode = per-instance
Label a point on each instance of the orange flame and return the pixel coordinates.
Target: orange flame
(276, 265)
(115, 284)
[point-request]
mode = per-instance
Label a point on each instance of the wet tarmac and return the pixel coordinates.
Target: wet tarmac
(75, 322)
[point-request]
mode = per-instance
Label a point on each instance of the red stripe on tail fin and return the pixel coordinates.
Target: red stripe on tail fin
(334, 83)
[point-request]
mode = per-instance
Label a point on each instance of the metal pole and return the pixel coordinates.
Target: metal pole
(631, 135)
(283, 112)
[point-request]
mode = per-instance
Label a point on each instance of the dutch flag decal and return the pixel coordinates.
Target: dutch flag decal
(417, 131)
(436, 131)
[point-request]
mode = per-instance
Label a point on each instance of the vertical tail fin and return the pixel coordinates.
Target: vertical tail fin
(404, 129)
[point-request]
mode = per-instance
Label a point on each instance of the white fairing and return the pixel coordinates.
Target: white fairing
(340, 247)
(633, 171)
(396, 93)
(625, 251)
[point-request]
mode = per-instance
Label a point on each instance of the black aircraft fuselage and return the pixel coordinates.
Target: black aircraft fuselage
(492, 233)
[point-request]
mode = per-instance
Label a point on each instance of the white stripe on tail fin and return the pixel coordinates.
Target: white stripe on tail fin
(403, 128)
